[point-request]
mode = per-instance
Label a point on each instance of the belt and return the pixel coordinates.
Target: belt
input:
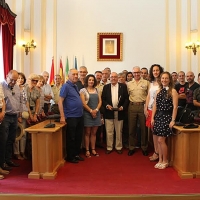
(11, 114)
(137, 103)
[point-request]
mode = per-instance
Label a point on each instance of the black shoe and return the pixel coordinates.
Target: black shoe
(79, 158)
(145, 153)
(72, 160)
(99, 146)
(131, 152)
(12, 164)
(6, 167)
(119, 151)
(108, 151)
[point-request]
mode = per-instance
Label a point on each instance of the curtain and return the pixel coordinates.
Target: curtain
(7, 20)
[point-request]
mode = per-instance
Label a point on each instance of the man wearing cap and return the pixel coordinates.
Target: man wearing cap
(138, 90)
(13, 111)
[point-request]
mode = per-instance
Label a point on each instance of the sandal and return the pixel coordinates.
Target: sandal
(154, 157)
(157, 165)
(95, 154)
(163, 165)
(87, 154)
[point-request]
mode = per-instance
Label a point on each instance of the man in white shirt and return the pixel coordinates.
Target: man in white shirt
(56, 92)
(48, 93)
(115, 102)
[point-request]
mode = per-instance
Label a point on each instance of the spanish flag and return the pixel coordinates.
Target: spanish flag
(61, 71)
(51, 81)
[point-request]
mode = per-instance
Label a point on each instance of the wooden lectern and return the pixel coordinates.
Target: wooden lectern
(184, 152)
(47, 150)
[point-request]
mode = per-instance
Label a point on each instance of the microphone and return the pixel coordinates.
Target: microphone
(179, 123)
(50, 125)
(56, 116)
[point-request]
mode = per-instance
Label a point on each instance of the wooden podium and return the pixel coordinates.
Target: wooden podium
(47, 150)
(184, 152)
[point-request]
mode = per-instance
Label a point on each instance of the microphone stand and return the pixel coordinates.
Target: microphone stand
(50, 125)
(179, 123)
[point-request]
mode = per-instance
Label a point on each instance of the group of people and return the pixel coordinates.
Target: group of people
(25, 101)
(127, 105)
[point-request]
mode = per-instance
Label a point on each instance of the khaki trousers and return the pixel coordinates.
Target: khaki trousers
(112, 124)
(137, 112)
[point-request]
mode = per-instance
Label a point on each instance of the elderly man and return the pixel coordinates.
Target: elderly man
(115, 102)
(56, 93)
(13, 110)
(2, 133)
(138, 90)
(82, 74)
(105, 77)
(71, 113)
(48, 94)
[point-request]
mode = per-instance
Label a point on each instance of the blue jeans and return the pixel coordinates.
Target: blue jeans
(11, 125)
(2, 143)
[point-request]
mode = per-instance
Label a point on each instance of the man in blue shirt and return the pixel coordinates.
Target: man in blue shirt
(71, 113)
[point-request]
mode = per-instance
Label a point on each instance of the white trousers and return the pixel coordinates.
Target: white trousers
(112, 124)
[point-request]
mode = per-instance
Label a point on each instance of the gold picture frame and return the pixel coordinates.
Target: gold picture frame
(109, 46)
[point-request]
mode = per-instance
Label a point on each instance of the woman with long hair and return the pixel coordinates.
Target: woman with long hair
(163, 116)
(154, 75)
(91, 100)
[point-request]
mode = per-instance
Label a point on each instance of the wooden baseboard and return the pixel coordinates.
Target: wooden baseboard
(99, 197)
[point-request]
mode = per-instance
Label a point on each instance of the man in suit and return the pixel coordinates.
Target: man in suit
(115, 101)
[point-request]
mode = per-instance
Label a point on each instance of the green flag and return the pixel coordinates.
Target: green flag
(76, 63)
(67, 69)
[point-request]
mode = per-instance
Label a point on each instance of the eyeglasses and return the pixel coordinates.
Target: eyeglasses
(33, 80)
(136, 72)
(12, 80)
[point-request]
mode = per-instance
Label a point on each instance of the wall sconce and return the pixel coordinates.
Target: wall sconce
(193, 45)
(29, 45)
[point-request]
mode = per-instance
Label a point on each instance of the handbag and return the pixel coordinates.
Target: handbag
(25, 114)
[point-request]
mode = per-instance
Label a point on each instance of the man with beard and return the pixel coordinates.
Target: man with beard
(192, 85)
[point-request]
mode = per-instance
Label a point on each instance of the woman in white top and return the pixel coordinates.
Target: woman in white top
(154, 74)
(92, 119)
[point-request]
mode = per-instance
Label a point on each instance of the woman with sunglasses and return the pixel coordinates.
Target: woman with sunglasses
(39, 86)
(33, 96)
(163, 115)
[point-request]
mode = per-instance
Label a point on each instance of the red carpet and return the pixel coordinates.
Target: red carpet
(106, 174)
